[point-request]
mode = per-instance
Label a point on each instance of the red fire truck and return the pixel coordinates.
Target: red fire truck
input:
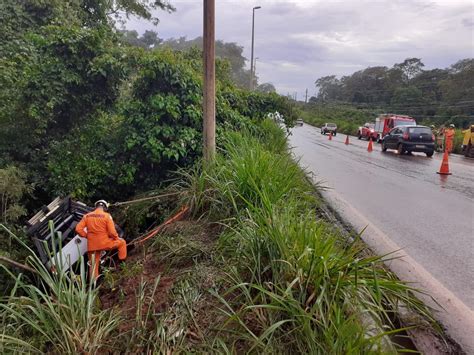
(384, 123)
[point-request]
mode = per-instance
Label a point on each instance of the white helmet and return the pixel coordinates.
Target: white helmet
(102, 203)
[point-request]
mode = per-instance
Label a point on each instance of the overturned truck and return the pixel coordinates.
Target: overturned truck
(52, 231)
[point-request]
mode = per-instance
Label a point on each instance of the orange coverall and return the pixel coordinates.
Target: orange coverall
(449, 134)
(101, 235)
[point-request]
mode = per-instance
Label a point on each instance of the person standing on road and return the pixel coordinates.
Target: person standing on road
(99, 229)
(468, 140)
(449, 138)
(440, 139)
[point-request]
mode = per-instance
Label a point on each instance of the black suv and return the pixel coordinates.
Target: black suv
(410, 139)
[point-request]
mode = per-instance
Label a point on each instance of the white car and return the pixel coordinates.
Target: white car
(329, 128)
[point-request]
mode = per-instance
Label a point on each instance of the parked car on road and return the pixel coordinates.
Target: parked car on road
(367, 131)
(329, 127)
(410, 139)
(299, 122)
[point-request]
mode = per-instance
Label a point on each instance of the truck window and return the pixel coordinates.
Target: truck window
(403, 123)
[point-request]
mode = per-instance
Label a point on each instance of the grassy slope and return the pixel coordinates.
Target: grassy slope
(254, 269)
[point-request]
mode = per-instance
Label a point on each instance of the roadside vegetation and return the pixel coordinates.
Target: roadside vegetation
(85, 114)
(254, 268)
(432, 96)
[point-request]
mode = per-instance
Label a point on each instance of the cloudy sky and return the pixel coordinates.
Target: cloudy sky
(298, 41)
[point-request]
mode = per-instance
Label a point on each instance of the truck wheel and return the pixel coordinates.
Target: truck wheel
(359, 136)
(384, 147)
(400, 149)
(334, 134)
(430, 154)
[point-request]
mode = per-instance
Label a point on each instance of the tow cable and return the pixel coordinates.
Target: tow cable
(182, 211)
(150, 234)
(144, 199)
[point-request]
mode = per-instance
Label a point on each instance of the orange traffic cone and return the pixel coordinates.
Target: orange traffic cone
(370, 148)
(444, 169)
(330, 136)
(347, 140)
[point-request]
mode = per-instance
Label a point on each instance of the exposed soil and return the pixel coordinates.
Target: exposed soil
(183, 251)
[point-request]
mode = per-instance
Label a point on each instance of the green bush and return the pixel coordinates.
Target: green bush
(155, 127)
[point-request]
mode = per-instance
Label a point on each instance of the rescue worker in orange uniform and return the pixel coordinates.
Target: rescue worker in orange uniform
(99, 229)
(449, 137)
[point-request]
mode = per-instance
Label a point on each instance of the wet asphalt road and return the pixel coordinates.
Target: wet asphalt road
(431, 217)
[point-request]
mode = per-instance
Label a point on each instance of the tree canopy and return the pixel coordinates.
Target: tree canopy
(437, 95)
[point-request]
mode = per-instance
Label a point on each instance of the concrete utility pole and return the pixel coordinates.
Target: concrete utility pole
(209, 99)
(306, 97)
(253, 40)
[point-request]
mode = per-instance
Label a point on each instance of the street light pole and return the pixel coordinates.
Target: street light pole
(253, 39)
(209, 97)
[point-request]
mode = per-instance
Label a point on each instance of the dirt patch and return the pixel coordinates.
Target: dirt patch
(182, 258)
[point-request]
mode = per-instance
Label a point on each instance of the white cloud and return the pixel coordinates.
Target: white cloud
(299, 41)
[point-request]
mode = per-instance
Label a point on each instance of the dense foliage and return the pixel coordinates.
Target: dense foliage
(438, 96)
(82, 114)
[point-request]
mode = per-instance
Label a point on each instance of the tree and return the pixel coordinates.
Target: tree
(100, 11)
(330, 88)
(266, 88)
(47, 89)
(408, 100)
(148, 40)
(410, 68)
(18, 17)
(457, 91)
(224, 50)
(368, 85)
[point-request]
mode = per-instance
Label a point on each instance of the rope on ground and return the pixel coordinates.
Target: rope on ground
(140, 239)
(144, 199)
(156, 230)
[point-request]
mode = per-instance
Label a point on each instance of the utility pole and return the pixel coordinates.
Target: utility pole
(306, 97)
(253, 40)
(209, 97)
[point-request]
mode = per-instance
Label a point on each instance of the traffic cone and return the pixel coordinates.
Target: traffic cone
(330, 136)
(444, 169)
(370, 148)
(347, 140)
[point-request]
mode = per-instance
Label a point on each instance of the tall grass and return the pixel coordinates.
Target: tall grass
(56, 313)
(303, 287)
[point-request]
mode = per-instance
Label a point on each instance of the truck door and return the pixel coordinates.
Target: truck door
(387, 126)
